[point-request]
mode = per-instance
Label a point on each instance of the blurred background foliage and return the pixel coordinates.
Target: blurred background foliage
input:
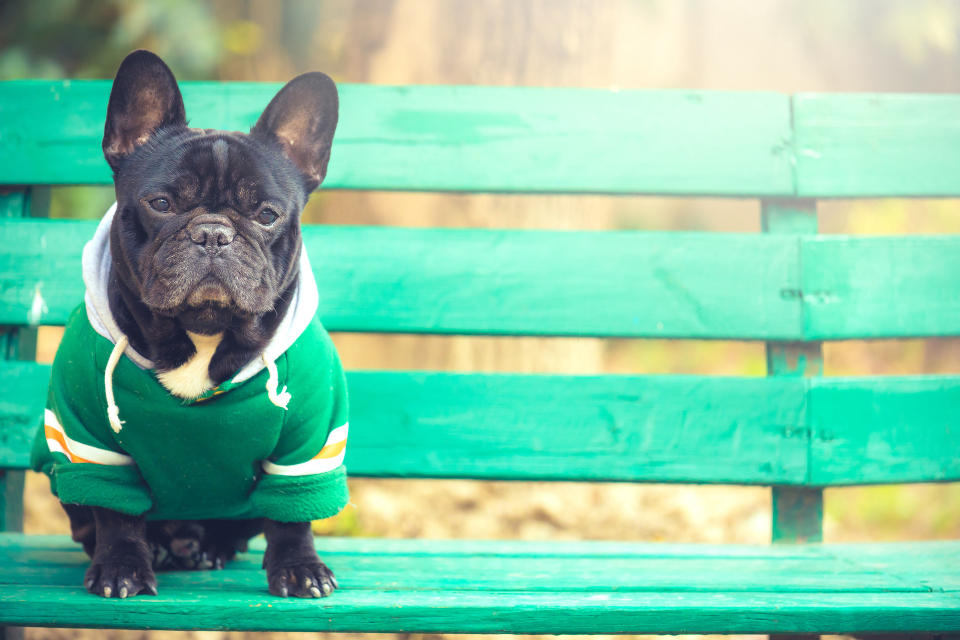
(778, 45)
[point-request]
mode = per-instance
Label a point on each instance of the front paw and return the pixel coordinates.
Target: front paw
(121, 573)
(307, 580)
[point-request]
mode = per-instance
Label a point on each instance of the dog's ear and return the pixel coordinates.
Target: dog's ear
(144, 98)
(302, 119)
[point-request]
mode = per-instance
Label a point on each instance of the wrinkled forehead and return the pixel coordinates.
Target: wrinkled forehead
(218, 169)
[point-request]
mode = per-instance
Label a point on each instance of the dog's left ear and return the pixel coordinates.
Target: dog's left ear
(302, 119)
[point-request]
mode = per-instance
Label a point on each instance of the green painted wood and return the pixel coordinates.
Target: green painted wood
(682, 285)
(619, 428)
(498, 138)
(14, 203)
(634, 428)
(881, 286)
(11, 500)
(53, 546)
(508, 587)
(884, 430)
(424, 611)
(449, 280)
(501, 139)
(577, 570)
(24, 387)
(797, 514)
(861, 145)
(637, 428)
(15, 343)
(788, 215)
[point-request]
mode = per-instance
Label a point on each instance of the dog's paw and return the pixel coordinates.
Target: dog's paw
(215, 557)
(308, 580)
(121, 575)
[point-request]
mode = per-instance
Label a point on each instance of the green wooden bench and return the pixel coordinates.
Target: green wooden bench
(793, 430)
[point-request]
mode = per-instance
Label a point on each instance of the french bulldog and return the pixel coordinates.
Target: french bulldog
(205, 248)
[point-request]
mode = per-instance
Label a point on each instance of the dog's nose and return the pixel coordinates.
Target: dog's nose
(211, 234)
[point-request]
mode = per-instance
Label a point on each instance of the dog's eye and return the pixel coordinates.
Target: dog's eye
(267, 217)
(160, 204)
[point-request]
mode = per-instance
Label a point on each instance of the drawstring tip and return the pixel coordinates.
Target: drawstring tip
(279, 398)
(115, 422)
(113, 413)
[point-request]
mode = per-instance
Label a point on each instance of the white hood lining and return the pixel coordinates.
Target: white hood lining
(96, 274)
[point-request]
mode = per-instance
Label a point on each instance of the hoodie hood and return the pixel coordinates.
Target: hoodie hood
(96, 274)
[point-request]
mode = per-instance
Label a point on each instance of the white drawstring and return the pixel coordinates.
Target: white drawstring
(282, 398)
(113, 412)
(279, 398)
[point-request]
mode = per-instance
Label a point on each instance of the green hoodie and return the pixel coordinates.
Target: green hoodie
(231, 453)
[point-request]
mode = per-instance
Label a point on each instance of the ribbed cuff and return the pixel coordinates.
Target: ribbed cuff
(301, 498)
(117, 487)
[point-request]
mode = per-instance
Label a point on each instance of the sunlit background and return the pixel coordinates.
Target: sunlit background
(777, 45)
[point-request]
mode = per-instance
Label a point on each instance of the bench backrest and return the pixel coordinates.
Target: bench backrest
(787, 286)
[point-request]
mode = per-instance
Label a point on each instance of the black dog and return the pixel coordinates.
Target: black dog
(205, 267)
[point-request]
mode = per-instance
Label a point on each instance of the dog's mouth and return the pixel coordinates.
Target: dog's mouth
(178, 280)
(210, 292)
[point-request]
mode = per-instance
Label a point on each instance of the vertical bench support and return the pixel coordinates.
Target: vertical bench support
(16, 343)
(797, 511)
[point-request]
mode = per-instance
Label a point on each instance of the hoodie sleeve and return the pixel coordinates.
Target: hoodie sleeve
(304, 478)
(74, 446)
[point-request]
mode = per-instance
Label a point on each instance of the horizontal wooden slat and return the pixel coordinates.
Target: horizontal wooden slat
(482, 281)
(452, 138)
(789, 431)
(877, 145)
(545, 140)
(884, 430)
(537, 427)
(661, 429)
(626, 284)
(881, 286)
(512, 587)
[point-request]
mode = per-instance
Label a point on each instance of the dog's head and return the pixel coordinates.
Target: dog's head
(206, 237)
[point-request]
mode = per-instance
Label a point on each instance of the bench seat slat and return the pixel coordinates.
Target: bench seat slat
(788, 431)
(665, 285)
(534, 587)
(448, 138)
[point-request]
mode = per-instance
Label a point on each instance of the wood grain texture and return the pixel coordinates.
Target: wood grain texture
(881, 286)
(637, 428)
(861, 145)
(520, 139)
(884, 430)
(797, 511)
(15, 343)
(446, 138)
(619, 428)
(473, 281)
(513, 587)
(481, 281)
(539, 427)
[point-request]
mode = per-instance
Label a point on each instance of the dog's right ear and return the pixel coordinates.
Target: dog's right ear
(144, 98)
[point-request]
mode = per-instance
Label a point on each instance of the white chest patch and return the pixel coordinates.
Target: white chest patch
(192, 378)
